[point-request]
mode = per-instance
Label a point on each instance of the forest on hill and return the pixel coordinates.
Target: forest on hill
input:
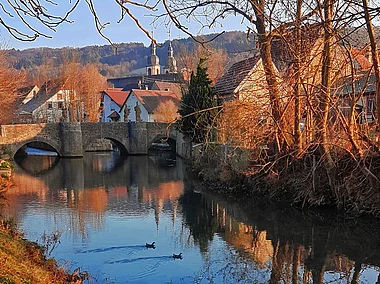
(129, 56)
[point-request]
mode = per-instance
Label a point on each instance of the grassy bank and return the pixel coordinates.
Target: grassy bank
(302, 182)
(22, 261)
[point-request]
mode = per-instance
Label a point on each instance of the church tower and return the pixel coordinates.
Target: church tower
(153, 67)
(171, 64)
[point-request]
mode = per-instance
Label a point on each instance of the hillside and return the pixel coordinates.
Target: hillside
(133, 55)
(129, 56)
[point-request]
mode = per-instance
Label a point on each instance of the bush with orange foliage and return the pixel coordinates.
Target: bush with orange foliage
(166, 111)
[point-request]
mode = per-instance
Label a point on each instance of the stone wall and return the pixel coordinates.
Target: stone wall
(73, 139)
(100, 144)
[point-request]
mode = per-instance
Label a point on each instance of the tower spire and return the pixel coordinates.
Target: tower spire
(153, 65)
(171, 64)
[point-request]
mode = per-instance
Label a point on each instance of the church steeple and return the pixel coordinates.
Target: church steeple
(153, 67)
(171, 64)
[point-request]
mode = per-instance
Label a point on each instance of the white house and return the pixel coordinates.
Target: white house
(140, 105)
(52, 103)
(112, 101)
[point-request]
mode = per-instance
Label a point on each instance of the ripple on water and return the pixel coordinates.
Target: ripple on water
(142, 267)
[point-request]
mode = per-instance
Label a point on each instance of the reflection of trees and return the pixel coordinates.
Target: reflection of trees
(202, 222)
(86, 191)
(296, 248)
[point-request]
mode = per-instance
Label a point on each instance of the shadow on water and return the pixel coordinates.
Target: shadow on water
(318, 243)
(37, 165)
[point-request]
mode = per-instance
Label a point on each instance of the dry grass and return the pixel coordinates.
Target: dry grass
(22, 261)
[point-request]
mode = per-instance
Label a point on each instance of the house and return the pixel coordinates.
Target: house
(112, 101)
(27, 93)
(244, 80)
(168, 86)
(52, 103)
(141, 105)
(362, 90)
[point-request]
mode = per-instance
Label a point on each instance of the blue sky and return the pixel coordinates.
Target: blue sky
(83, 32)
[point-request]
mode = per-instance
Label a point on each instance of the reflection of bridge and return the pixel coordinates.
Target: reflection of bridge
(72, 139)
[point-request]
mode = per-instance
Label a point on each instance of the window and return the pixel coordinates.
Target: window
(149, 71)
(370, 106)
(60, 105)
(59, 96)
(50, 105)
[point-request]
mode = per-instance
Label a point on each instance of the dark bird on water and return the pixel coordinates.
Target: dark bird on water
(179, 256)
(150, 245)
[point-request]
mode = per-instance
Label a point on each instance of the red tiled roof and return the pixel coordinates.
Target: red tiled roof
(117, 95)
(150, 99)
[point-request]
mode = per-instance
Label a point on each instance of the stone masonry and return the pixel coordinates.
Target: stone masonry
(72, 139)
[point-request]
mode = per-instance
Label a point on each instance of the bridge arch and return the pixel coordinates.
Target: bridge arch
(171, 140)
(17, 146)
(89, 140)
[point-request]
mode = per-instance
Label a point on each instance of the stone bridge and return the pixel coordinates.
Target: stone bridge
(72, 139)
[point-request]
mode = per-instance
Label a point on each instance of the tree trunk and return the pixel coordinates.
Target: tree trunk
(324, 95)
(264, 40)
(297, 85)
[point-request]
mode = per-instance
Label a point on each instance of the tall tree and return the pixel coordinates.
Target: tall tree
(10, 81)
(91, 85)
(198, 106)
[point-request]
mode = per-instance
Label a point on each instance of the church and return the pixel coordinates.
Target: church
(144, 78)
(144, 90)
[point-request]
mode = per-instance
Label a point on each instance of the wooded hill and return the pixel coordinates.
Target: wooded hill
(129, 56)
(133, 55)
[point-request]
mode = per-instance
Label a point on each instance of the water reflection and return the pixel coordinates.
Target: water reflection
(108, 207)
(293, 247)
(88, 188)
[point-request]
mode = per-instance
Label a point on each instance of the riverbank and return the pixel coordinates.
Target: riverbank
(22, 261)
(301, 182)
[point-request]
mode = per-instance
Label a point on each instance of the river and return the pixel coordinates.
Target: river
(105, 208)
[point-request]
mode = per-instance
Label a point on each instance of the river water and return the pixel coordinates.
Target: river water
(106, 208)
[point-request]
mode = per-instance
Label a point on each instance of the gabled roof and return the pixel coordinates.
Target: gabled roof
(114, 114)
(24, 91)
(117, 95)
(150, 99)
(283, 47)
(167, 86)
(48, 90)
(361, 59)
(234, 76)
(144, 79)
